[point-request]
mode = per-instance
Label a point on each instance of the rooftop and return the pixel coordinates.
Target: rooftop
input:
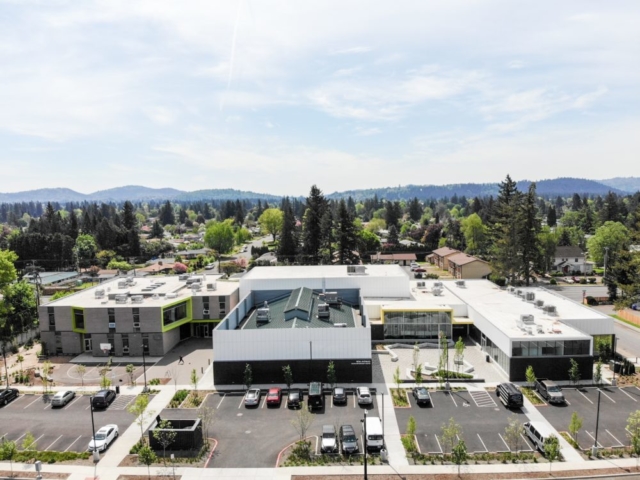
(327, 271)
(281, 308)
(155, 291)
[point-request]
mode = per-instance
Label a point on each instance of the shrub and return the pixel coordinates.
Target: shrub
(591, 301)
(500, 281)
(431, 276)
(178, 398)
(154, 381)
(553, 281)
(592, 280)
(583, 281)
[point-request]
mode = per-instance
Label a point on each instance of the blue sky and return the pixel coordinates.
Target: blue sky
(273, 96)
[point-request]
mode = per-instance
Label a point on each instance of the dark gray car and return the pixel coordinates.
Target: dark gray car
(348, 440)
(421, 396)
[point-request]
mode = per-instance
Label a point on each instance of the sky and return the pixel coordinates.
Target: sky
(275, 96)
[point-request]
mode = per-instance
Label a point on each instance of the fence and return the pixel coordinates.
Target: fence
(24, 337)
(629, 315)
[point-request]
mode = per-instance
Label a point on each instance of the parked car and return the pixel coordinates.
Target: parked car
(210, 266)
(104, 437)
(295, 398)
(509, 395)
(549, 390)
(274, 396)
(421, 395)
(414, 264)
(329, 440)
(60, 399)
(538, 432)
(635, 306)
(252, 397)
(419, 270)
(348, 440)
(7, 395)
(339, 396)
(364, 396)
(316, 395)
(103, 399)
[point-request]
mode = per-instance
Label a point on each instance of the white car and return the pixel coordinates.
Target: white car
(364, 396)
(211, 266)
(104, 437)
(60, 399)
(252, 397)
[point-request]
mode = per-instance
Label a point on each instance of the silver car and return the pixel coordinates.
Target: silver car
(252, 397)
(364, 396)
(60, 399)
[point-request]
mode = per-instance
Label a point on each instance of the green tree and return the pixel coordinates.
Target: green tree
(530, 376)
(475, 233)
(248, 376)
(459, 356)
(194, 381)
(130, 369)
(574, 372)
(397, 379)
(312, 234)
(85, 250)
(81, 370)
(633, 432)
(8, 451)
(156, 230)
(367, 242)
(551, 449)
(505, 254)
(139, 409)
(347, 235)
(449, 434)
(528, 230)
(459, 454)
(165, 436)
(272, 220)
(418, 374)
(219, 237)
(288, 376)
(302, 421)
(513, 433)
(29, 443)
(7, 267)
(411, 426)
(611, 235)
(147, 457)
(597, 375)
(332, 378)
(575, 425)
(288, 245)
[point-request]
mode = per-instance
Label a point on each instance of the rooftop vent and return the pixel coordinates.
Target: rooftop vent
(519, 293)
(122, 284)
(323, 311)
(421, 285)
(437, 291)
(183, 277)
(172, 295)
(550, 309)
(99, 293)
(196, 287)
(527, 319)
(137, 299)
(155, 296)
(461, 283)
(511, 289)
(539, 303)
(192, 280)
(530, 296)
(121, 298)
(437, 284)
(264, 315)
(356, 270)
(212, 286)
(340, 325)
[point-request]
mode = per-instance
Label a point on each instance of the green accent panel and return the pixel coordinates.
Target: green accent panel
(73, 320)
(173, 325)
(213, 320)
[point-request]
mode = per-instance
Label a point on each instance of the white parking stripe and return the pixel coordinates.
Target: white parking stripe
(608, 397)
(619, 442)
(505, 443)
(485, 447)
(18, 439)
(439, 446)
(454, 400)
(354, 400)
(589, 400)
(36, 440)
(631, 397)
(74, 401)
(592, 438)
(67, 449)
(37, 398)
(52, 443)
(264, 401)
(220, 403)
(527, 442)
(241, 400)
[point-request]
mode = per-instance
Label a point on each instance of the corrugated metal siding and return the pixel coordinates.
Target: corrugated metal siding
(593, 326)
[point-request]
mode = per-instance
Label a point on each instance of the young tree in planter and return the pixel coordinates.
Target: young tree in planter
(513, 434)
(551, 449)
(139, 409)
(288, 376)
(81, 370)
(194, 382)
(29, 442)
(302, 421)
(165, 435)
(459, 358)
(147, 457)
(597, 375)
(575, 425)
(205, 415)
(8, 451)
(248, 376)
(459, 454)
(418, 375)
(332, 378)
(397, 379)
(20, 359)
(450, 433)
(574, 372)
(530, 376)
(416, 356)
(633, 432)
(130, 369)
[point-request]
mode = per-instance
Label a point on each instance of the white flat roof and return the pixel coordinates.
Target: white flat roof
(148, 287)
(320, 271)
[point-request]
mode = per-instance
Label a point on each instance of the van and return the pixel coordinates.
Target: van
(509, 394)
(373, 440)
(316, 397)
(538, 432)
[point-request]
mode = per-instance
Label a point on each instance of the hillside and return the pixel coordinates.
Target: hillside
(626, 184)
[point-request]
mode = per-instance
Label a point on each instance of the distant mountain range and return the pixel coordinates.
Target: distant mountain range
(136, 193)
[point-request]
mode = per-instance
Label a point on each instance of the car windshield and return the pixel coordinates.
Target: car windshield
(328, 435)
(375, 437)
(273, 394)
(349, 438)
(422, 391)
(100, 436)
(554, 389)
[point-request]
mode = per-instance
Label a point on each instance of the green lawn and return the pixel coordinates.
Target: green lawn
(626, 321)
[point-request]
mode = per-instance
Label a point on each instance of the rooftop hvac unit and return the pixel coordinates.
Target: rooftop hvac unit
(356, 269)
(539, 303)
(530, 296)
(437, 284)
(99, 293)
(340, 325)
(121, 298)
(323, 311)
(437, 291)
(212, 286)
(526, 319)
(550, 309)
(530, 330)
(112, 324)
(122, 284)
(130, 281)
(137, 299)
(264, 315)
(460, 283)
(421, 285)
(519, 293)
(172, 295)
(155, 296)
(511, 289)
(332, 298)
(196, 286)
(192, 280)
(540, 328)
(183, 277)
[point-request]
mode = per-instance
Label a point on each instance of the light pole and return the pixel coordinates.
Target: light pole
(144, 369)
(364, 447)
(594, 449)
(96, 454)
(173, 463)
(613, 381)
(604, 274)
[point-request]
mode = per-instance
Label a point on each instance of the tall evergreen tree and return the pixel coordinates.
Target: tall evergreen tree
(288, 246)
(128, 216)
(312, 223)
(328, 237)
(528, 230)
(166, 215)
(552, 219)
(504, 230)
(415, 209)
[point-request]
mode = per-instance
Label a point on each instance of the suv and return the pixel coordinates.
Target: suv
(103, 399)
(348, 440)
(329, 440)
(316, 397)
(509, 394)
(364, 396)
(548, 389)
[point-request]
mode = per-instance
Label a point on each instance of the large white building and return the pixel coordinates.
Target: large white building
(529, 326)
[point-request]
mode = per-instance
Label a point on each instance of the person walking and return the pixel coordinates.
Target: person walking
(180, 361)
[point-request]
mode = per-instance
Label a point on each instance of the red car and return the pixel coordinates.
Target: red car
(274, 396)
(419, 270)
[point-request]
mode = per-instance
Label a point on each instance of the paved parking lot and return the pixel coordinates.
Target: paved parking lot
(616, 404)
(253, 437)
(60, 429)
(480, 414)
(67, 374)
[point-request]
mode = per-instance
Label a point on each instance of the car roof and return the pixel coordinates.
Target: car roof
(328, 429)
(363, 389)
(347, 428)
(107, 427)
(338, 389)
(274, 390)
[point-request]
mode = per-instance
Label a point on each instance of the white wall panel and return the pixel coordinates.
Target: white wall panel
(593, 326)
(497, 336)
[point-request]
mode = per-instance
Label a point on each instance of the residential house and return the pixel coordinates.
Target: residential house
(571, 260)
(440, 257)
(464, 266)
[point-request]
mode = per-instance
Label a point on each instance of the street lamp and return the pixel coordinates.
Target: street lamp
(364, 446)
(96, 454)
(615, 341)
(604, 274)
(594, 449)
(144, 370)
(173, 463)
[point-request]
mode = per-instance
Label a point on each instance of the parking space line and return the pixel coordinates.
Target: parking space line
(620, 444)
(608, 396)
(77, 398)
(453, 399)
(438, 441)
(485, 447)
(415, 438)
(622, 390)
(354, 400)
(286, 402)
(264, 401)
(527, 442)
(220, 403)
(433, 405)
(37, 439)
(67, 449)
(48, 405)
(593, 438)
(588, 399)
(18, 439)
(52, 443)
(241, 400)
(37, 398)
(505, 443)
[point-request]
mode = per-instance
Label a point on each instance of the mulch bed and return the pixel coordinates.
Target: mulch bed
(21, 474)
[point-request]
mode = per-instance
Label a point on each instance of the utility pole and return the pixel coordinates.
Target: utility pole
(594, 449)
(604, 274)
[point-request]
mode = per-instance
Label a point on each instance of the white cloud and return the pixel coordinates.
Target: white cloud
(352, 50)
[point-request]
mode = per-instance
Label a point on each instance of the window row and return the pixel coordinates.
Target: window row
(551, 348)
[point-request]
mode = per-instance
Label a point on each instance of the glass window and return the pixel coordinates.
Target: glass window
(78, 316)
(175, 313)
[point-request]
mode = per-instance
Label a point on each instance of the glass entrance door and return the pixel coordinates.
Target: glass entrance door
(88, 345)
